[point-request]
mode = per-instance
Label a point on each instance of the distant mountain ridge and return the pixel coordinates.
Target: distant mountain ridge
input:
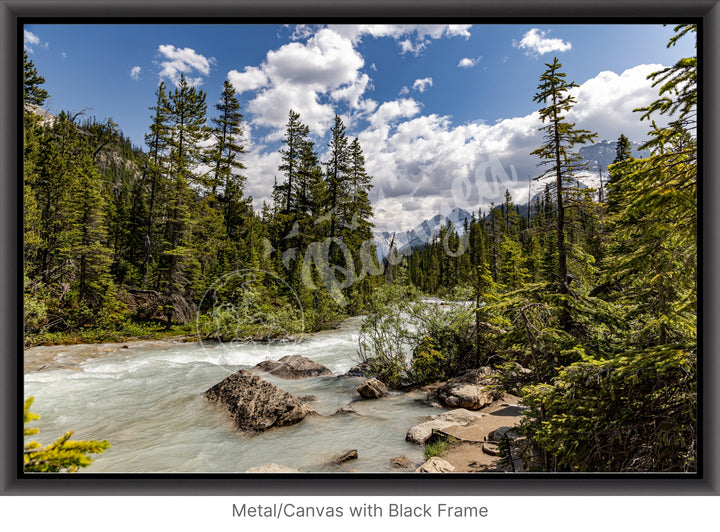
(601, 153)
(422, 234)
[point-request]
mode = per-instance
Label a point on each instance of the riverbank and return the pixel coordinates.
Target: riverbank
(158, 332)
(127, 391)
(472, 448)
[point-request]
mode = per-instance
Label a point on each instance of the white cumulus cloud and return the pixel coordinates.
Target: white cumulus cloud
(31, 40)
(412, 38)
(467, 62)
(305, 77)
(422, 84)
(183, 61)
(390, 111)
(135, 72)
(423, 165)
(250, 79)
(535, 43)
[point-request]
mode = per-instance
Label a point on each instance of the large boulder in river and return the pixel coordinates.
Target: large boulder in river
(255, 404)
(471, 390)
(294, 367)
(421, 433)
(372, 389)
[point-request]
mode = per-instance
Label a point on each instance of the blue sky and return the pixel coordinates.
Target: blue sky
(444, 113)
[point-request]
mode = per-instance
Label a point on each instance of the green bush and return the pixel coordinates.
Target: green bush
(428, 364)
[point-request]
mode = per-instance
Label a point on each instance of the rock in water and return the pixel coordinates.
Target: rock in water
(345, 410)
(359, 370)
(256, 405)
(345, 456)
(294, 367)
(436, 465)
(402, 462)
(372, 389)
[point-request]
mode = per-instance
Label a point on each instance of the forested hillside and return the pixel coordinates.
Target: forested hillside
(586, 303)
(121, 241)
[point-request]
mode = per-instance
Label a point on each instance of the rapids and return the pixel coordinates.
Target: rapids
(146, 399)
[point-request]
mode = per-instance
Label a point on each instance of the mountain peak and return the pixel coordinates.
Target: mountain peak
(422, 234)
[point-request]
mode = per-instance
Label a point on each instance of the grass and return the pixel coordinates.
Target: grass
(128, 331)
(436, 448)
(151, 330)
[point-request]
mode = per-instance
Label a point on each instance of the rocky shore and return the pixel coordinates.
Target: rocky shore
(480, 417)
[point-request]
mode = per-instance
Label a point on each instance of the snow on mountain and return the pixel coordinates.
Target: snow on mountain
(420, 235)
(597, 157)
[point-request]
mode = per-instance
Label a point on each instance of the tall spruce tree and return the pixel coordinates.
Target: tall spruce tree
(559, 139)
(155, 175)
(622, 149)
(336, 170)
(225, 156)
(286, 194)
(90, 252)
(188, 134)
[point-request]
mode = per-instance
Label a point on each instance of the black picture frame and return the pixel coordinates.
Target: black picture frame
(14, 13)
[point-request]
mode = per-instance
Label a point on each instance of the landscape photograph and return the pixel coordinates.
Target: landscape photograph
(337, 249)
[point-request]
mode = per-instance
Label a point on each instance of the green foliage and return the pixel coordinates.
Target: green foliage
(410, 342)
(436, 448)
(385, 334)
(63, 455)
(629, 403)
(634, 412)
(32, 92)
(428, 364)
(505, 447)
(104, 220)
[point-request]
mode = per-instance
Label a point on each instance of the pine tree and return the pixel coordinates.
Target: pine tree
(188, 134)
(226, 151)
(225, 158)
(155, 175)
(357, 234)
(656, 204)
(285, 195)
(359, 184)
(622, 149)
(32, 92)
(89, 243)
(60, 146)
(310, 196)
(559, 138)
(337, 168)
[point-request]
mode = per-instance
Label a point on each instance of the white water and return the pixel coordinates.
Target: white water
(147, 401)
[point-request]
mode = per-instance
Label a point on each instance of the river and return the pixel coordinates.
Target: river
(147, 400)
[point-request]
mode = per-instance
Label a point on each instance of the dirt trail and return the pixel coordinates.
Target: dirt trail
(466, 454)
